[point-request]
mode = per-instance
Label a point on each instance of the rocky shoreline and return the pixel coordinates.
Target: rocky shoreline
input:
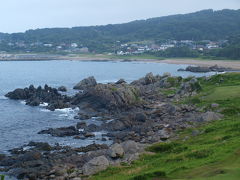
(133, 115)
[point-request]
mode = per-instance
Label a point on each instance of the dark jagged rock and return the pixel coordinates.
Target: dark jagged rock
(18, 94)
(36, 96)
(40, 146)
(204, 69)
(108, 96)
(86, 83)
(61, 132)
(91, 147)
(121, 81)
(62, 88)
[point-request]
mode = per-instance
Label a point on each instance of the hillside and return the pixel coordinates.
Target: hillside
(202, 25)
(209, 152)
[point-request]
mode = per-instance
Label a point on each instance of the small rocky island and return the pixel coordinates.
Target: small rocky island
(134, 115)
(205, 69)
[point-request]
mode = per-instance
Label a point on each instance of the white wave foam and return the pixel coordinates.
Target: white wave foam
(43, 104)
(23, 102)
(108, 81)
(81, 130)
(3, 97)
(67, 112)
(45, 110)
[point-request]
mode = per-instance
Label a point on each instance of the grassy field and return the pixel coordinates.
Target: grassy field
(213, 154)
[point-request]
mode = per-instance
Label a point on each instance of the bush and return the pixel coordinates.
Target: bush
(155, 174)
(231, 111)
(195, 100)
(162, 147)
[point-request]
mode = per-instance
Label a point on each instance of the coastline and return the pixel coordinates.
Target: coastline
(206, 63)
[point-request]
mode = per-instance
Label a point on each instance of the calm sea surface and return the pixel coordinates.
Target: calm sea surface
(19, 123)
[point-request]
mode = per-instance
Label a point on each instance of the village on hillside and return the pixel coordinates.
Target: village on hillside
(118, 48)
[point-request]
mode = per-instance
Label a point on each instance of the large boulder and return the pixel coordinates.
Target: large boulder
(116, 151)
(210, 116)
(95, 165)
(86, 83)
(131, 147)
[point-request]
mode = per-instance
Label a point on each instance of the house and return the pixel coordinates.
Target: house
(74, 45)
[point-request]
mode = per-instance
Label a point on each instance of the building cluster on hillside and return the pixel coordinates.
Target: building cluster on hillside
(61, 47)
(134, 48)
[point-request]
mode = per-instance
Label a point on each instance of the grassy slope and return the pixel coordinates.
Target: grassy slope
(213, 154)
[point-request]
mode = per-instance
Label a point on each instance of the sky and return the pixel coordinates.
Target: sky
(22, 15)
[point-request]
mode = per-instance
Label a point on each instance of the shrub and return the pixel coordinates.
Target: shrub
(210, 129)
(195, 100)
(150, 175)
(231, 111)
(163, 147)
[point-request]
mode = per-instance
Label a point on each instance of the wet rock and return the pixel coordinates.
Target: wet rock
(115, 125)
(92, 128)
(30, 156)
(91, 147)
(61, 132)
(95, 165)
(40, 146)
(35, 96)
(89, 135)
(58, 104)
(18, 94)
(33, 102)
(81, 125)
(86, 83)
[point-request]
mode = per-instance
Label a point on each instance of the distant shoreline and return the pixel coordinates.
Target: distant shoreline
(207, 63)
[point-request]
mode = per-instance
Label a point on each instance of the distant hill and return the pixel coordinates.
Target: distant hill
(202, 25)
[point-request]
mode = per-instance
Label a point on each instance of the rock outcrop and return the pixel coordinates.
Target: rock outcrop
(85, 84)
(35, 96)
(205, 69)
(108, 96)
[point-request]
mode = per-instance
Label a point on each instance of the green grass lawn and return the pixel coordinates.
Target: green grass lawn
(214, 154)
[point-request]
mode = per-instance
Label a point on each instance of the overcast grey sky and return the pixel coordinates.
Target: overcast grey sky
(21, 15)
